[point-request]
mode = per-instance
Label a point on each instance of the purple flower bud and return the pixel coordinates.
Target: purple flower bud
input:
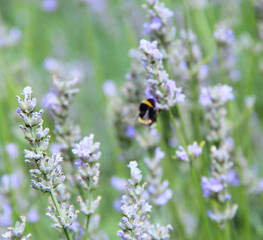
(150, 48)
(211, 185)
(15, 34)
(118, 183)
(181, 153)
(50, 100)
(109, 88)
(49, 5)
(19, 111)
(163, 198)
(159, 154)
(6, 216)
(226, 93)
(12, 150)
(33, 215)
(205, 98)
(194, 149)
(51, 65)
(232, 178)
(130, 131)
(156, 23)
(203, 72)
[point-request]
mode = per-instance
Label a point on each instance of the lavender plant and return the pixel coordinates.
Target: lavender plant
(157, 189)
(17, 232)
(46, 172)
(160, 87)
(58, 102)
(214, 100)
(88, 175)
(135, 223)
(225, 40)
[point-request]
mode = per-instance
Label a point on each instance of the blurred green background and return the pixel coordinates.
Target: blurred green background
(99, 35)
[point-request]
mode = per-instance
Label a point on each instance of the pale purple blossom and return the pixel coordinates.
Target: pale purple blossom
(194, 151)
(211, 186)
(181, 153)
(33, 215)
(223, 34)
(12, 181)
(233, 178)
(156, 23)
(130, 131)
(216, 96)
(50, 100)
(52, 65)
(118, 183)
(150, 48)
(226, 93)
(164, 197)
(49, 5)
(109, 88)
(6, 216)
(136, 175)
(160, 87)
(203, 72)
(15, 35)
(88, 150)
(12, 150)
(205, 98)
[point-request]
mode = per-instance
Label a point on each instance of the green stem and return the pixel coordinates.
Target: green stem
(180, 135)
(87, 227)
(56, 204)
(195, 179)
(201, 203)
(227, 231)
(170, 176)
(88, 217)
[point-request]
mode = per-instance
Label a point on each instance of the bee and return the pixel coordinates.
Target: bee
(148, 112)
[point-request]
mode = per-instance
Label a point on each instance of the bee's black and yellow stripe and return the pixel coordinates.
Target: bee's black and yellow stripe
(147, 112)
(149, 102)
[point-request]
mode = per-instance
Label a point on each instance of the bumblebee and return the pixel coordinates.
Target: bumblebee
(148, 112)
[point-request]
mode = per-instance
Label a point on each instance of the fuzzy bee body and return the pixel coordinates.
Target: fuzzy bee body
(148, 112)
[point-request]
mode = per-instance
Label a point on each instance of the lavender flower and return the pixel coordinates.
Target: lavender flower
(12, 150)
(160, 87)
(86, 150)
(58, 103)
(211, 186)
(158, 191)
(88, 169)
(46, 172)
(49, 5)
(17, 232)
(33, 215)
(9, 37)
(118, 183)
(214, 100)
(225, 39)
(6, 216)
(109, 88)
(159, 26)
(224, 35)
(135, 222)
(193, 151)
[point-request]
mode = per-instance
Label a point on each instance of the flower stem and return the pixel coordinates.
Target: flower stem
(56, 204)
(180, 135)
(195, 178)
(87, 227)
